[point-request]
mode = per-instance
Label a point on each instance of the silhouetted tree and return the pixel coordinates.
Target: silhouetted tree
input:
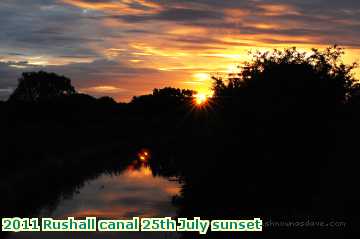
(106, 100)
(173, 92)
(292, 74)
(41, 86)
(284, 139)
(165, 95)
(166, 100)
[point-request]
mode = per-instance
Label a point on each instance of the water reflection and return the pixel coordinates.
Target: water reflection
(144, 155)
(133, 192)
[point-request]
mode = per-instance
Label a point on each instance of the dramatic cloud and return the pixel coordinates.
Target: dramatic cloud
(126, 47)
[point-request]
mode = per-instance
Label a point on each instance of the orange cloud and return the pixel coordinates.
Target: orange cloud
(123, 7)
(104, 89)
(278, 9)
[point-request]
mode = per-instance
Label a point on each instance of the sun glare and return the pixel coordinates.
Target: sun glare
(200, 98)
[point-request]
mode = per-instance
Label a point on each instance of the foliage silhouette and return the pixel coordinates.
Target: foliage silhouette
(167, 100)
(294, 74)
(41, 86)
(281, 148)
(167, 93)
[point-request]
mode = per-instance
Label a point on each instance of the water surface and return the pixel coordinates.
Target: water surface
(134, 192)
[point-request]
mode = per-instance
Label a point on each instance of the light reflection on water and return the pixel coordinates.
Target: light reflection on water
(134, 192)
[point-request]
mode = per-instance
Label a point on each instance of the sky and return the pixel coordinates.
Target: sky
(123, 48)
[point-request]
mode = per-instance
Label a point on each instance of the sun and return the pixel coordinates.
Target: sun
(200, 98)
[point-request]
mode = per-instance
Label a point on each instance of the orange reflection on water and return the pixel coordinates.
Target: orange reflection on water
(134, 192)
(141, 163)
(143, 171)
(144, 155)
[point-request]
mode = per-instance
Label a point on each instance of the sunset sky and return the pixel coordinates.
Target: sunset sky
(123, 48)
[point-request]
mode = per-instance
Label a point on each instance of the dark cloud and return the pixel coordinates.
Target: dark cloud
(34, 24)
(180, 14)
(43, 28)
(329, 20)
(173, 14)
